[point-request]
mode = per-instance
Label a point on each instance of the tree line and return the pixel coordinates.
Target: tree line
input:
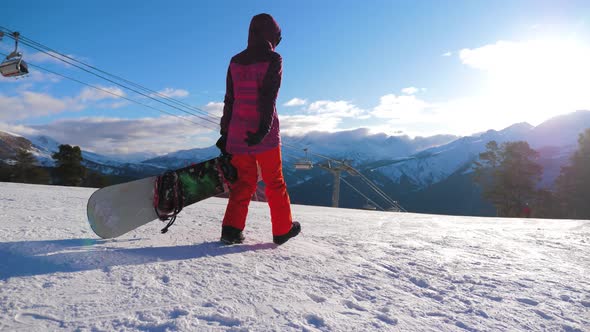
(68, 170)
(509, 176)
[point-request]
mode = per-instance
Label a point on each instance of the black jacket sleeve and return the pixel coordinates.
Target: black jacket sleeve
(268, 94)
(228, 104)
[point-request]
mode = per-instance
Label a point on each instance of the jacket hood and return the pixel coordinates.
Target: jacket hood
(264, 32)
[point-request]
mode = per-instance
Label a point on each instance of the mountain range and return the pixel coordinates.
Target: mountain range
(424, 174)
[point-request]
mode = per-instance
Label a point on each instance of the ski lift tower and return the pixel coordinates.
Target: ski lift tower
(336, 168)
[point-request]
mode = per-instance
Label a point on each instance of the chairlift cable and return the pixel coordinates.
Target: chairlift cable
(30, 41)
(380, 192)
(114, 82)
(377, 190)
(124, 86)
(139, 86)
(112, 93)
(360, 193)
(290, 155)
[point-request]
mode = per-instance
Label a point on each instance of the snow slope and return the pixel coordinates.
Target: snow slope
(349, 270)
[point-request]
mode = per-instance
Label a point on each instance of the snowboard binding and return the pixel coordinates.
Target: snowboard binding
(168, 198)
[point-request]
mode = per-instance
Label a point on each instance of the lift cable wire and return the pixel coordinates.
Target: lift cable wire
(360, 193)
(364, 178)
(381, 193)
(139, 86)
(113, 93)
(49, 53)
(48, 49)
(290, 155)
(128, 88)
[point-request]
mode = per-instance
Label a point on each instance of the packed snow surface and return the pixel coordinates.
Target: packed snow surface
(349, 270)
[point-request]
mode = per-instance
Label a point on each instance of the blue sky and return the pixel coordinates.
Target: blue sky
(398, 67)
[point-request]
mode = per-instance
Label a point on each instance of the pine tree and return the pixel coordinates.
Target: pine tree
(95, 180)
(5, 172)
(545, 204)
(487, 170)
(508, 176)
(69, 170)
(25, 169)
(573, 183)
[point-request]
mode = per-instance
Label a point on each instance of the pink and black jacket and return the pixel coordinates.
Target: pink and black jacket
(253, 82)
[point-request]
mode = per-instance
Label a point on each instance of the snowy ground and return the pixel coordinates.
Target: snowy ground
(349, 270)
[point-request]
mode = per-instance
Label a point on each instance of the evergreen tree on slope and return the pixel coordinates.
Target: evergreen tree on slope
(508, 175)
(573, 183)
(69, 170)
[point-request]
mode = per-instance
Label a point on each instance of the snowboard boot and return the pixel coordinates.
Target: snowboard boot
(293, 232)
(231, 235)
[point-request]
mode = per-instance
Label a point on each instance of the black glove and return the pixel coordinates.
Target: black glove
(253, 138)
(221, 142)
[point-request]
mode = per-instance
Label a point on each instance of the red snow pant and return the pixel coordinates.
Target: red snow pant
(241, 191)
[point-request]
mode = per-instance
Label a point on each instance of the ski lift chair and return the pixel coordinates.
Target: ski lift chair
(14, 65)
(304, 164)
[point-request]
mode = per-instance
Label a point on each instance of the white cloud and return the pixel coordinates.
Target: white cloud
(121, 136)
(295, 102)
(173, 93)
(392, 106)
(297, 125)
(27, 104)
(449, 53)
(50, 58)
(32, 104)
(17, 129)
(323, 115)
(214, 108)
(340, 109)
(90, 94)
(410, 90)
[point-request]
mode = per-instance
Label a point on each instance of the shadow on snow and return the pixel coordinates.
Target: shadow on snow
(30, 258)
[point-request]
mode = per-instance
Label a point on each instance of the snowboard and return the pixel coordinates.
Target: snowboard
(115, 210)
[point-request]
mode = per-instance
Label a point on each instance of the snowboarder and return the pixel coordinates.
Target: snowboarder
(250, 132)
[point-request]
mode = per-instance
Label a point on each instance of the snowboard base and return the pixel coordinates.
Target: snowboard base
(115, 210)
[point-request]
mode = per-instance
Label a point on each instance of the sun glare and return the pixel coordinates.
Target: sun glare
(534, 80)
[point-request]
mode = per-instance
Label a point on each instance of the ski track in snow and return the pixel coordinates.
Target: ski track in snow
(349, 270)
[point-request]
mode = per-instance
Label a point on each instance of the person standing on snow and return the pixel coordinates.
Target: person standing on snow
(250, 133)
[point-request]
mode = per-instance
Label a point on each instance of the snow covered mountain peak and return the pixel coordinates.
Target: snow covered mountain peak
(45, 142)
(438, 163)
